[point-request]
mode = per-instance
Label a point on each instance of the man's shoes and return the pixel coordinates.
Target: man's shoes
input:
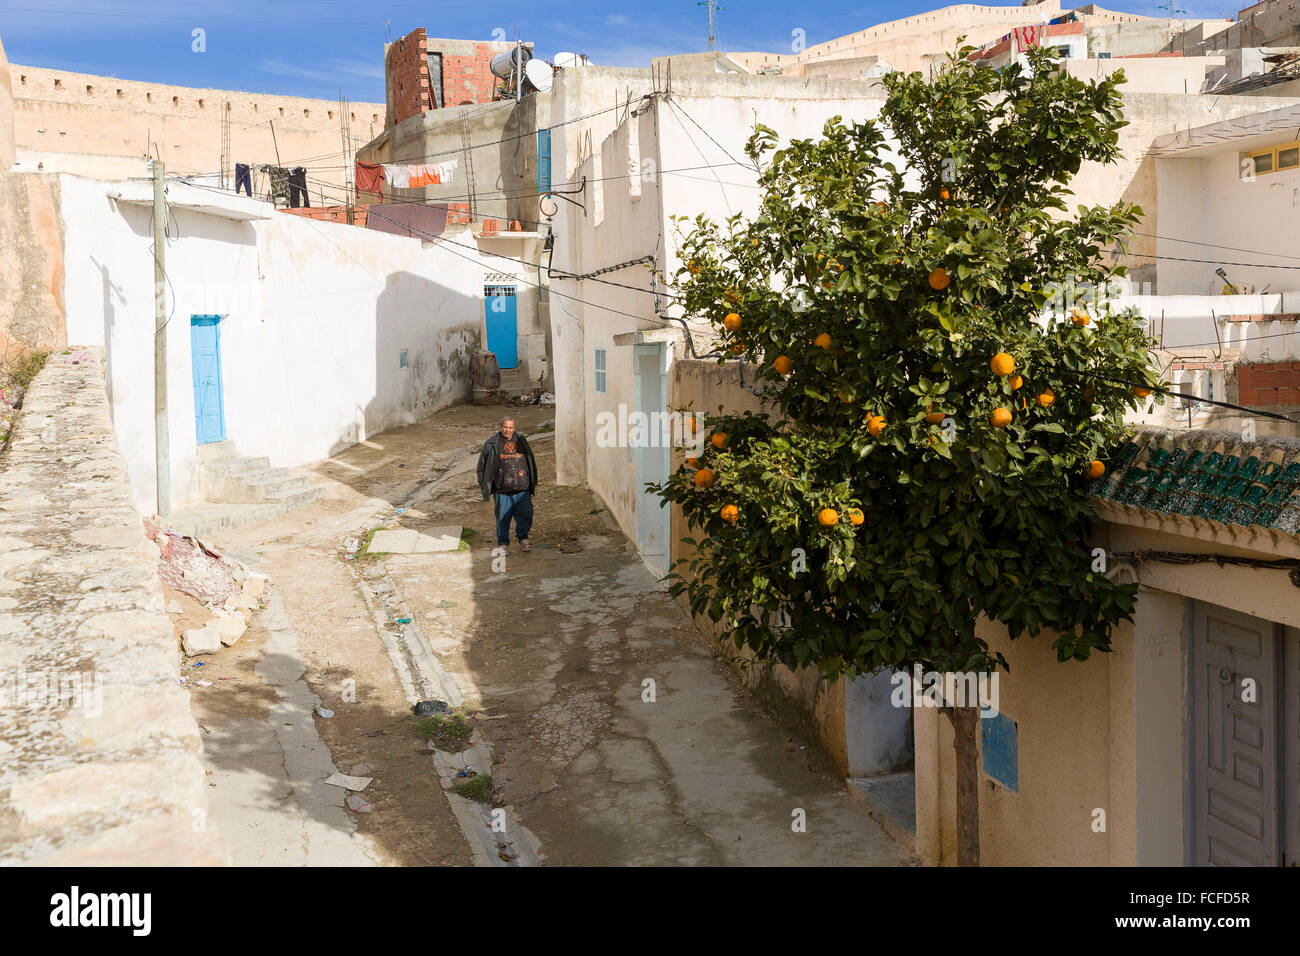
(525, 545)
(500, 549)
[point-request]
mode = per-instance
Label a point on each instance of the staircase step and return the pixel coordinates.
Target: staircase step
(217, 451)
(235, 466)
(297, 498)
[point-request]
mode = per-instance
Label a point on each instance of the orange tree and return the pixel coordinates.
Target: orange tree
(934, 426)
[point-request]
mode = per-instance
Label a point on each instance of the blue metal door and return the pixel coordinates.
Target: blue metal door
(502, 327)
(205, 356)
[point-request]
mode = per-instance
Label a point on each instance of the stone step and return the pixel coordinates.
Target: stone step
(295, 498)
(251, 486)
(235, 466)
(216, 451)
(207, 520)
(211, 518)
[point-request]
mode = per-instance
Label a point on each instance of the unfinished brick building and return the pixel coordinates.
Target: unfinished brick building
(423, 74)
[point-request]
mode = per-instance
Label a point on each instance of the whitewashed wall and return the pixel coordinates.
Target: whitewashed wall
(315, 316)
(1207, 212)
(650, 168)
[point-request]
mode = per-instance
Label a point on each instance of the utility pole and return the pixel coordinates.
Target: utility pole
(161, 456)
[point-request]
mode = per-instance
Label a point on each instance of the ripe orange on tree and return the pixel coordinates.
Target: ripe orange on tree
(1080, 319)
(827, 517)
(944, 194)
(855, 516)
(1141, 392)
(939, 279)
(1002, 364)
(1046, 397)
(933, 417)
(719, 439)
(783, 364)
(1015, 382)
(1096, 469)
(823, 341)
(730, 513)
(704, 478)
(732, 322)
(693, 462)
(875, 425)
(1000, 418)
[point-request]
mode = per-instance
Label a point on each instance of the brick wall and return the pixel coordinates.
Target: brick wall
(468, 79)
(409, 71)
(466, 73)
(1268, 383)
(331, 214)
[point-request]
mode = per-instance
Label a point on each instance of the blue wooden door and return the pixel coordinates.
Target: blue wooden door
(205, 356)
(502, 327)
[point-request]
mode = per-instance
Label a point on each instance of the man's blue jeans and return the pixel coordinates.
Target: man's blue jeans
(518, 506)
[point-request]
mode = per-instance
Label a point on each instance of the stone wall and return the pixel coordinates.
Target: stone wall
(98, 750)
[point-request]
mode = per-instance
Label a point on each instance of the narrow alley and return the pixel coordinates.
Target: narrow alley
(611, 733)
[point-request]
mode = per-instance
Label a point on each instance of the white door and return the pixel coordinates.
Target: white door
(652, 454)
(1235, 710)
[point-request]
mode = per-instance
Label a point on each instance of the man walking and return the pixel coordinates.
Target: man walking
(507, 472)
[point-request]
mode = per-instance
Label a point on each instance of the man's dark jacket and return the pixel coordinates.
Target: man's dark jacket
(487, 463)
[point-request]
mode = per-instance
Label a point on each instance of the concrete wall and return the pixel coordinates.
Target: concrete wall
(31, 267)
(101, 751)
(31, 251)
(503, 156)
(1075, 755)
(650, 168)
(101, 127)
(1177, 74)
(1205, 200)
(1134, 179)
(315, 316)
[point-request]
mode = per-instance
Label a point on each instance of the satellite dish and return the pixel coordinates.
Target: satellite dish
(563, 60)
(539, 74)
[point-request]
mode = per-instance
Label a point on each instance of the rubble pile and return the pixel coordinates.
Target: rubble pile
(230, 591)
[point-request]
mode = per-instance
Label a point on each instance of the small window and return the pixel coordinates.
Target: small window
(176, 101)
(58, 84)
(1263, 162)
(401, 359)
(1288, 157)
(600, 371)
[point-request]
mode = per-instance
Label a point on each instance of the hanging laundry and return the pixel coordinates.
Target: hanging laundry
(298, 188)
(244, 178)
(399, 177)
(447, 171)
(370, 179)
(279, 184)
(422, 175)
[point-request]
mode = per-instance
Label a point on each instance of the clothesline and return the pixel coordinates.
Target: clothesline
(371, 177)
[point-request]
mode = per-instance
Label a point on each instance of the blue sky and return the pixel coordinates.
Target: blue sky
(319, 47)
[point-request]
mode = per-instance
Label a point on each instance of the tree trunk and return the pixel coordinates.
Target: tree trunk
(965, 722)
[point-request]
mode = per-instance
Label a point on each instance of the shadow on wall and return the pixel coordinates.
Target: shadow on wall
(517, 160)
(425, 334)
(112, 292)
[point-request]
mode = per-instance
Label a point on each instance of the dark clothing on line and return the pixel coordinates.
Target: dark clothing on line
(244, 178)
(298, 188)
